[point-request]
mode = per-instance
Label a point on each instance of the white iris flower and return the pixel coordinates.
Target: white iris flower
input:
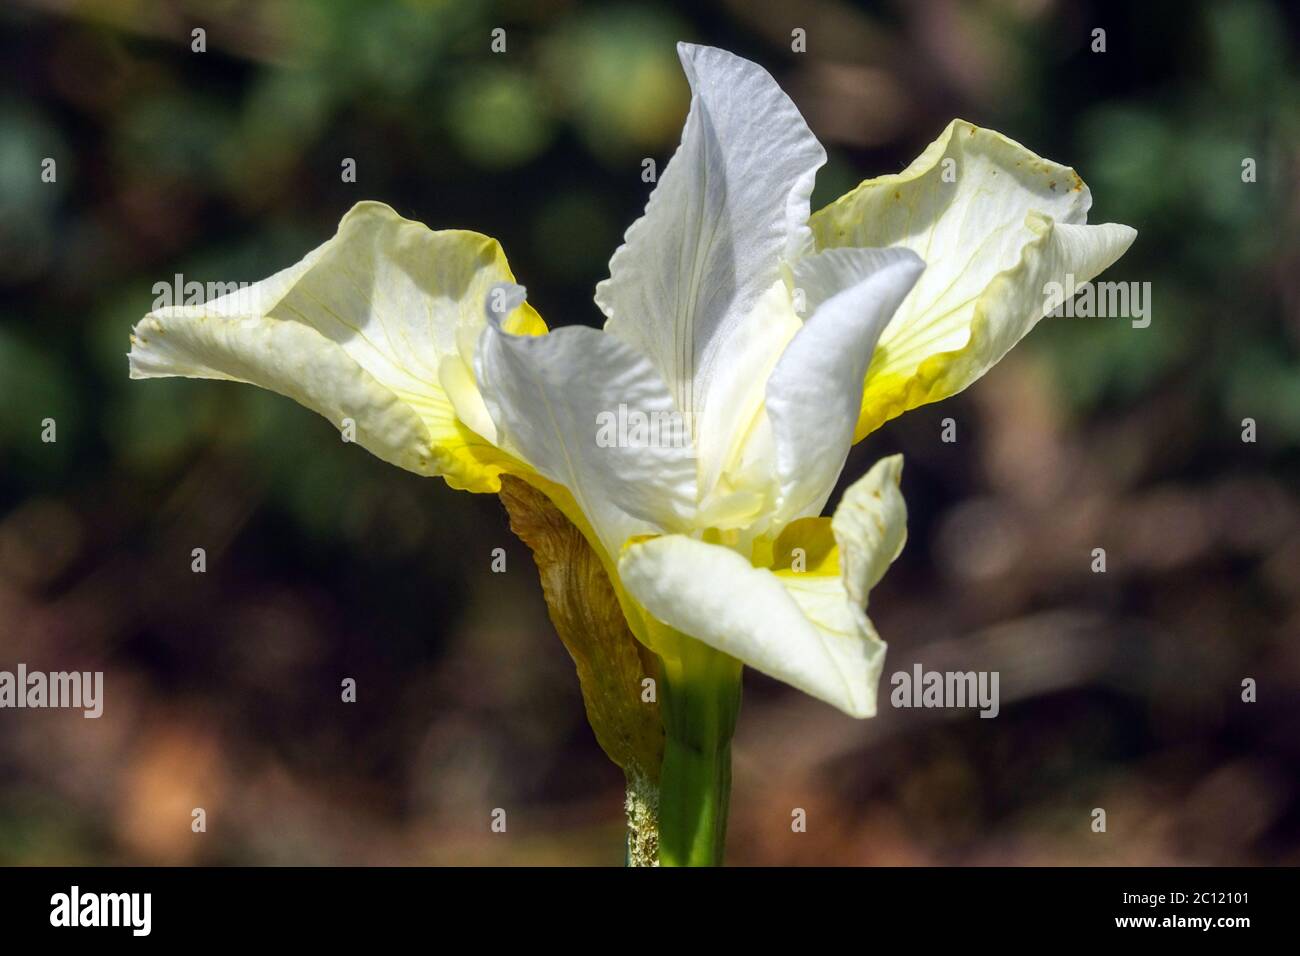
(772, 340)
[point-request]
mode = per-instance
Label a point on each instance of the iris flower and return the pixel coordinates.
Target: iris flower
(670, 470)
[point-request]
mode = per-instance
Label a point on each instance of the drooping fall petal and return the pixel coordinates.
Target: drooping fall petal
(367, 327)
(803, 622)
(994, 223)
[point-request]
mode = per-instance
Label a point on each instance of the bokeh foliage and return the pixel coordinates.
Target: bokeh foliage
(225, 165)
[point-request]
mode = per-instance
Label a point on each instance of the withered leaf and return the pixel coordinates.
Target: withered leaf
(611, 662)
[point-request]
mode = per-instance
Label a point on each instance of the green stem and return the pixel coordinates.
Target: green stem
(699, 701)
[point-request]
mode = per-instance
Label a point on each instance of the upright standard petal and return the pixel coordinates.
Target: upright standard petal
(367, 328)
(588, 412)
(815, 391)
(733, 436)
(995, 224)
(800, 618)
(731, 205)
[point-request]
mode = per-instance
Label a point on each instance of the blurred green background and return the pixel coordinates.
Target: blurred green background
(1119, 691)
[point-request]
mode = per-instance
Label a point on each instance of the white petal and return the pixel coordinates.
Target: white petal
(731, 205)
(870, 527)
(815, 392)
(292, 359)
(806, 629)
(733, 436)
(370, 326)
(714, 595)
(994, 223)
(553, 398)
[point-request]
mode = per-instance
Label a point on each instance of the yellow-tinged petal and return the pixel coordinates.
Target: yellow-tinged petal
(376, 326)
(995, 224)
(805, 546)
(807, 628)
(870, 527)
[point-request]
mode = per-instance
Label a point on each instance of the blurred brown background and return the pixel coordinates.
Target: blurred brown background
(1120, 691)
